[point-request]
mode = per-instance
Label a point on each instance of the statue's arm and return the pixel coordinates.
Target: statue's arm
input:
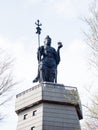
(58, 52)
(40, 52)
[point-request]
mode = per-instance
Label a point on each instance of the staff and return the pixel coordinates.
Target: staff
(39, 57)
(38, 31)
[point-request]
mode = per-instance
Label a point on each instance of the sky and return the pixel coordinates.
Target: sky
(62, 21)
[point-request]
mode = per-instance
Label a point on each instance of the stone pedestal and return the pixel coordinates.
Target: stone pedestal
(49, 106)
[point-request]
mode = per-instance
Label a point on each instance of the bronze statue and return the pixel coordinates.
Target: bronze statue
(48, 59)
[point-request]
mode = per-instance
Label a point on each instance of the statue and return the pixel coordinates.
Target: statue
(48, 59)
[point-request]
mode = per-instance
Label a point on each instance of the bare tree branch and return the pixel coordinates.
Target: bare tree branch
(6, 79)
(92, 41)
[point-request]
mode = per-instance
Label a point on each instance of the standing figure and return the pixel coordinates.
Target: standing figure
(48, 59)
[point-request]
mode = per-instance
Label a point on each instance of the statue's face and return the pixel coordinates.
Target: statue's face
(47, 42)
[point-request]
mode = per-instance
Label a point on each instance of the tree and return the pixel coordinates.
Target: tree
(6, 79)
(92, 34)
(91, 120)
(92, 41)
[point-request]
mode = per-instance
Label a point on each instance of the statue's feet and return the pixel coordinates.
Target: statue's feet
(35, 80)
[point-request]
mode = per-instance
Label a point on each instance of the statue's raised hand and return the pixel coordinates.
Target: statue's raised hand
(60, 45)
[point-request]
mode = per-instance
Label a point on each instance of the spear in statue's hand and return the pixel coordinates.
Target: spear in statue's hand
(38, 31)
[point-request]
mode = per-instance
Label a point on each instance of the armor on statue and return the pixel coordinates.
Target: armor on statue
(48, 59)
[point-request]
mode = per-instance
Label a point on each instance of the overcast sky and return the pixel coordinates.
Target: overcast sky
(61, 20)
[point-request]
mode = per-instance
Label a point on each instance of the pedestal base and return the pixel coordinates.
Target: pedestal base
(49, 106)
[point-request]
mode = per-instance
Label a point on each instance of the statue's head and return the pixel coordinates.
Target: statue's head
(47, 41)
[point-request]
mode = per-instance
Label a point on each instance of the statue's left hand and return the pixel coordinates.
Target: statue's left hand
(60, 45)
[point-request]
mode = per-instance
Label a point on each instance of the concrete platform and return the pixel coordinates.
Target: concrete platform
(49, 106)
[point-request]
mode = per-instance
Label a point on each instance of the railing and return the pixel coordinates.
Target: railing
(46, 84)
